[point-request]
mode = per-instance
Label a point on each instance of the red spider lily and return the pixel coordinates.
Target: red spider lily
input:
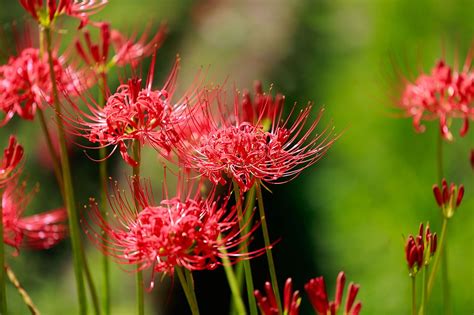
(188, 230)
(268, 304)
(420, 249)
(128, 51)
(133, 112)
(226, 143)
(443, 94)
(45, 12)
(316, 290)
(40, 231)
(12, 156)
(263, 106)
(449, 197)
(25, 83)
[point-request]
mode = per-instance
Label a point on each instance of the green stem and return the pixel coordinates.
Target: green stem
(3, 289)
(444, 260)
(245, 262)
(139, 276)
(188, 292)
(432, 277)
(103, 207)
(192, 290)
(233, 284)
(268, 246)
(90, 283)
(424, 305)
(52, 152)
(413, 295)
(249, 205)
(24, 295)
(68, 187)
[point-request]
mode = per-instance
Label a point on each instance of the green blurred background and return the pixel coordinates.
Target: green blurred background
(348, 212)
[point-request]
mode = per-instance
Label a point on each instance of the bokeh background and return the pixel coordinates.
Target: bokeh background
(350, 211)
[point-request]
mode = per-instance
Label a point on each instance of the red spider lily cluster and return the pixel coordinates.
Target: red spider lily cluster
(442, 94)
(45, 12)
(449, 197)
(25, 83)
(188, 230)
(40, 231)
(251, 141)
(316, 289)
(268, 304)
(420, 249)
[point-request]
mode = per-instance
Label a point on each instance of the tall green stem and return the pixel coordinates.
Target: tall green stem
(67, 181)
(233, 283)
(413, 295)
(437, 259)
(24, 295)
(245, 262)
(139, 276)
(249, 205)
(103, 207)
(268, 246)
(424, 305)
(188, 291)
(52, 152)
(444, 258)
(3, 289)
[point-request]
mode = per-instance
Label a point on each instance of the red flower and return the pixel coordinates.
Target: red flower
(268, 305)
(46, 14)
(443, 94)
(25, 82)
(128, 51)
(12, 156)
(420, 249)
(448, 198)
(247, 147)
(40, 231)
(316, 290)
(188, 230)
(133, 112)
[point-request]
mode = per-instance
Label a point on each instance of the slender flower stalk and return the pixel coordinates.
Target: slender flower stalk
(246, 263)
(24, 295)
(268, 245)
(67, 180)
(413, 295)
(188, 291)
(136, 191)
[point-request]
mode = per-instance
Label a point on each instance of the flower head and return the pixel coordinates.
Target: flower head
(188, 230)
(133, 112)
(316, 290)
(46, 13)
(230, 143)
(127, 51)
(40, 231)
(268, 304)
(420, 249)
(442, 94)
(449, 197)
(12, 156)
(25, 83)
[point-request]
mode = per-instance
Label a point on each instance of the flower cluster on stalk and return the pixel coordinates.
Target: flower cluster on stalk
(448, 198)
(268, 304)
(45, 12)
(40, 231)
(247, 143)
(316, 290)
(188, 230)
(25, 83)
(442, 94)
(419, 249)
